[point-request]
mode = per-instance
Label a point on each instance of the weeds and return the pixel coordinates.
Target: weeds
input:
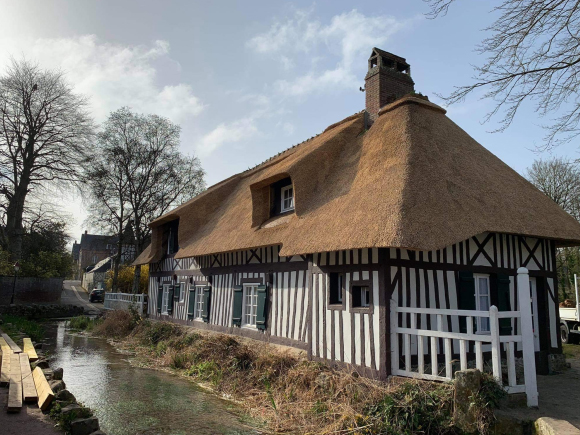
(83, 323)
(64, 420)
(14, 325)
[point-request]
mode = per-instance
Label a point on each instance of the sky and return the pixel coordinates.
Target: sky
(248, 79)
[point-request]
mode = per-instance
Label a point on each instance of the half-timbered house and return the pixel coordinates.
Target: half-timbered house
(361, 244)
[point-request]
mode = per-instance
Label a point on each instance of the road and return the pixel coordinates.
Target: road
(74, 294)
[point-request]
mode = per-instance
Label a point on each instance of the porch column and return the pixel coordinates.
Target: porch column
(527, 337)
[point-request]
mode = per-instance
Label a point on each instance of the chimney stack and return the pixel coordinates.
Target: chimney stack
(387, 80)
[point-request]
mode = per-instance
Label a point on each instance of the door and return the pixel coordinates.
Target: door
(535, 323)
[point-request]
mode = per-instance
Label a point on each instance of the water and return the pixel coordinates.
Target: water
(130, 400)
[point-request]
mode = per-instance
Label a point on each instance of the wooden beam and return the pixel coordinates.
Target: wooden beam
(28, 388)
(15, 348)
(15, 388)
(5, 367)
(29, 349)
(45, 394)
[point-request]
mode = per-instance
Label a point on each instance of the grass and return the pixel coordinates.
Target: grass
(15, 325)
(82, 323)
(64, 421)
(291, 395)
(571, 350)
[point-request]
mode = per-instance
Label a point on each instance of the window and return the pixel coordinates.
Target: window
(198, 302)
(181, 292)
(336, 288)
(361, 296)
(250, 305)
(170, 237)
(482, 301)
(165, 302)
(287, 195)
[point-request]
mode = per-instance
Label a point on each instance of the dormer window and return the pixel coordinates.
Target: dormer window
(287, 196)
(170, 239)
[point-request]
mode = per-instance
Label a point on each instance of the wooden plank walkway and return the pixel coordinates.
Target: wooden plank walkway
(5, 365)
(28, 348)
(28, 387)
(15, 388)
(13, 346)
(45, 394)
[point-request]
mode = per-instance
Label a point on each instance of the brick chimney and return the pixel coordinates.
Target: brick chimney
(388, 79)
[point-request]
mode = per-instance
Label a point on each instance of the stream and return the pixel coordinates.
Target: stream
(135, 401)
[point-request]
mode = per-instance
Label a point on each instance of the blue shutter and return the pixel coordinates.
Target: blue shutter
(262, 308)
(206, 304)
(237, 309)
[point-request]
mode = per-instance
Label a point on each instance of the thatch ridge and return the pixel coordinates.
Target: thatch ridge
(413, 180)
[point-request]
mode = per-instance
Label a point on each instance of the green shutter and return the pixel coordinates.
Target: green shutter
(191, 305)
(465, 296)
(206, 304)
(262, 308)
(176, 291)
(170, 300)
(503, 303)
(159, 298)
(237, 309)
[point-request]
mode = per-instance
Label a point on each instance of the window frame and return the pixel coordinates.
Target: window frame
(341, 300)
(254, 285)
(165, 299)
(479, 323)
(283, 190)
(198, 305)
(182, 289)
(361, 308)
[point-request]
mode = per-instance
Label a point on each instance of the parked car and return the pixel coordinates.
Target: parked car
(97, 295)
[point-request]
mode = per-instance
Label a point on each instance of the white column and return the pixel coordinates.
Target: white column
(495, 344)
(527, 337)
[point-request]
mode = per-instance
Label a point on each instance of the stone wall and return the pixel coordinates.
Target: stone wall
(30, 290)
(36, 312)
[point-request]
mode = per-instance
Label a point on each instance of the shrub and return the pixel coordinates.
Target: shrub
(116, 324)
(151, 333)
(82, 323)
(13, 325)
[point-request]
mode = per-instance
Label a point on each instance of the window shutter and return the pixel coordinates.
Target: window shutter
(262, 308)
(206, 304)
(503, 302)
(465, 296)
(177, 291)
(191, 305)
(159, 298)
(237, 309)
(170, 300)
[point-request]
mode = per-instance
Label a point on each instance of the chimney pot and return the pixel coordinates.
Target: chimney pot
(388, 79)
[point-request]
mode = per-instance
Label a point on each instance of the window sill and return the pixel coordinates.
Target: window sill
(364, 310)
(338, 307)
(249, 327)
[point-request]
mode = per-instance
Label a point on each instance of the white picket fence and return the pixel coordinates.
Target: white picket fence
(122, 301)
(428, 339)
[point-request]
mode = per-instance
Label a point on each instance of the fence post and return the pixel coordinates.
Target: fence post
(527, 337)
(394, 337)
(495, 343)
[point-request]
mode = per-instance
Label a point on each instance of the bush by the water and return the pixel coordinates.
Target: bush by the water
(291, 394)
(14, 325)
(82, 323)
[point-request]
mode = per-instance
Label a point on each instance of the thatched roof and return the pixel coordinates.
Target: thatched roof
(413, 180)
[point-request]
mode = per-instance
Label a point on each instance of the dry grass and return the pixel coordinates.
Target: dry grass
(289, 394)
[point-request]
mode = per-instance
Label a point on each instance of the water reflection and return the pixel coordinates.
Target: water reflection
(131, 401)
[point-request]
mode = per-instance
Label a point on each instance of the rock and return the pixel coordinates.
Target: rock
(98, 432)
(552, 426)
(42, 363)
(57, 386)
(65, 396)
(57, 374)
(84, 426)
(467, 384)
(38, 346)
(48, 374)
(556, 363)
(68, 409)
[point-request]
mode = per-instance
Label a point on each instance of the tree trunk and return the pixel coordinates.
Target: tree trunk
(14, 228)
(138, 249)
(136, 280)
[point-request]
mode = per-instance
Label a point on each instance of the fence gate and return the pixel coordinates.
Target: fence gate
(415, 350)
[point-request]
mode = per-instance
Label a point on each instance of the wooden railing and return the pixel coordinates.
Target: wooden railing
(122, 301)
(430, 343)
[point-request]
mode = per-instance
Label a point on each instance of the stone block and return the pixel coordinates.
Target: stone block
(57, 374)
(84, 426)
(552, 426)
(556, 363)
(57, 386)
(65, 396)
(68, 409)
(467, 384)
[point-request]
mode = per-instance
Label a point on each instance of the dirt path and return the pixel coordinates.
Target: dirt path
(559, 394)
(29, 421)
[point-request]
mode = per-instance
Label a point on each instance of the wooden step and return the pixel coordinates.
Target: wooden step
(5, 366)
(28, 348)
(13, 346)
(45, 394)
(28, 387)
(15, 388)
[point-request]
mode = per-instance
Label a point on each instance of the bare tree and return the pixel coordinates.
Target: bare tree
(533, 54)
(44, 135)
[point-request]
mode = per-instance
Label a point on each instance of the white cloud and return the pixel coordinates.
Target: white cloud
(348, 38)
(112, 75)
(236, 131)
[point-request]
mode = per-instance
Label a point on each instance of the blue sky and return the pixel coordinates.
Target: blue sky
(247, 79)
